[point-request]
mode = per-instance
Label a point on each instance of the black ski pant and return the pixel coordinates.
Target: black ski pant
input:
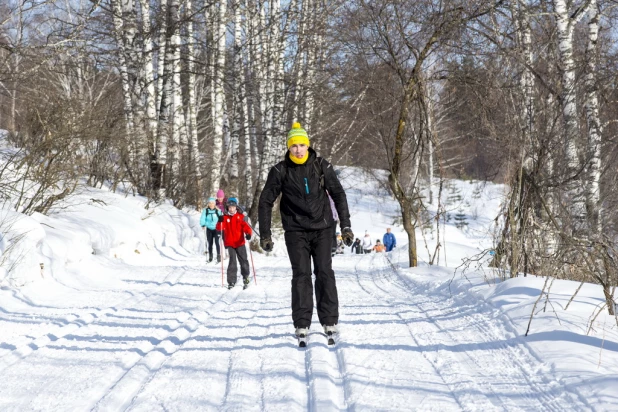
(212, 236)
(239, 253)
(334, 246)
(302, 248)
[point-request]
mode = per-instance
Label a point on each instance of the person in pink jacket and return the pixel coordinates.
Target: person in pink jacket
(221, 201)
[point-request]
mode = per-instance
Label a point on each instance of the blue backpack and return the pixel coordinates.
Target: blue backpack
(210, 217)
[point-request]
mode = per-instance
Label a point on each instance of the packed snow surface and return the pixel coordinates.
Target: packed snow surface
(125, 314)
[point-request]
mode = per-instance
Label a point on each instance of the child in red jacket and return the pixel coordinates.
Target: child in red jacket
(235, 230)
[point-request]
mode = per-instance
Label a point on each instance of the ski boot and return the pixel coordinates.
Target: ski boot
(245, 283)
(209, 257)
(301, 335)
(231, 285)
(330, 331)
(218, 258)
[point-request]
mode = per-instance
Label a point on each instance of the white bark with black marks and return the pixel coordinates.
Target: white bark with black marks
(565, 22)
(593, 121)
(219, 98)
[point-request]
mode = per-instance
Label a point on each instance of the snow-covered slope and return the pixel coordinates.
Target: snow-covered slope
(128, 316)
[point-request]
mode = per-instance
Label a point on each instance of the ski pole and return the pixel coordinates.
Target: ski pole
(205, 241)
(222, 247)
(252, 265)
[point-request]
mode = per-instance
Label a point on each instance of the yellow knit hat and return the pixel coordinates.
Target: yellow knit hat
(297, 135)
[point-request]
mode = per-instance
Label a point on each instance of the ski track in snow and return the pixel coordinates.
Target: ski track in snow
(186, 345)
(33, 344)
(324, 374)
(503, 365)
(144, 369)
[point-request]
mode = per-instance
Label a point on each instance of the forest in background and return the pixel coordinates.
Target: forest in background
(174, 99)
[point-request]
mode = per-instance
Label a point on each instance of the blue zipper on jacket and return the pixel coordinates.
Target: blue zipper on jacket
(306, 186)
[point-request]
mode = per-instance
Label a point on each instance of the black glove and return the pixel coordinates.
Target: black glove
(247, 236)
(267, 244)
(348, 236)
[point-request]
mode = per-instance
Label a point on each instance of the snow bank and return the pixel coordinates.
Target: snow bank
(20, 239)
(96, 226)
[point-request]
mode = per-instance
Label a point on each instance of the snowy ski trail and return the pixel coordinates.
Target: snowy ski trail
(326, 381)
(484, 366)
(185, 343)
(144, 368)
(29, 345)
(236, 350)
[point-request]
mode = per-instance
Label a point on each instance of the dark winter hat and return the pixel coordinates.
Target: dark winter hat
(232, 201)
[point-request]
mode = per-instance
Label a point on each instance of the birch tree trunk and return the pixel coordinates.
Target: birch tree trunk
(312, 54)
(14, 63)
(162, 52)
(594, 123)
(524, 41)
(194, 150)
(300, 63)
(178, 131)
(159, 166)
(270, 38)
(566, 21)
(265, 90)
(278, 121)
(211, 38)
(252, 80)
(236, 99)
(430, 140)
(219, 98)
(148, 78)
(243, 75)
(124, 71)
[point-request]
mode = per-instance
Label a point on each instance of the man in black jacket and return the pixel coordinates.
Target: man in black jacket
(303, 179)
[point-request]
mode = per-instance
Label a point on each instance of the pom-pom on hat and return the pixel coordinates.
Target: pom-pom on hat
(220, 193)
(297, 135)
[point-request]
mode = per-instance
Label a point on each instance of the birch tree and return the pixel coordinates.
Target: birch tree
(594, 123)
(265, 89)
(237, 69)
(159, 173)
(148, 76)
(247, 121)
(218, 97)
(566, 19)
(194, 166)
(119, 33)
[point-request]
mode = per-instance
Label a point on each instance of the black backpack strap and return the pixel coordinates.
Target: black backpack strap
(320, 171)
(283, 171)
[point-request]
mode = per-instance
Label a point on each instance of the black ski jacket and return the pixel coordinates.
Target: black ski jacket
(304, 204)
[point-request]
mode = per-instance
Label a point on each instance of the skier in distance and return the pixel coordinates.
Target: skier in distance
(209, 219)
(235, 230)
